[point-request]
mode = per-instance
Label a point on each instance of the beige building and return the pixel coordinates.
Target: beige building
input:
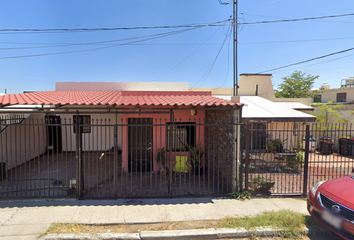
(266, 112)
(257, 93)
(343, 95)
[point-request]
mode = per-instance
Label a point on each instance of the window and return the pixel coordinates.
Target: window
(183, 134)
(317, 98)
(342, 97)
(84, 122)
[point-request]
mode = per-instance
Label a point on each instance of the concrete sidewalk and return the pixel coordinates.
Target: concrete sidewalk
(26, 219)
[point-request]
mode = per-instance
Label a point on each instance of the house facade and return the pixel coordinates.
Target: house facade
(107, 143)
(343, 95)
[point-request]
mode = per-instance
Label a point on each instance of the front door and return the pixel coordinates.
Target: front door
(140, 144)
(54, 137)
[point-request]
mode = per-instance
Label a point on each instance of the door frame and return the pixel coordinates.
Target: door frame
(145, 124)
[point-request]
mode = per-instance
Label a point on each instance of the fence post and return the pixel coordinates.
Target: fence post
(115, 161)
(79, 170)
(247, 157)
(306, 163)
(170, 167)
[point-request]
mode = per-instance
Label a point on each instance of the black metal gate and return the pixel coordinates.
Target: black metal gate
(295, 156)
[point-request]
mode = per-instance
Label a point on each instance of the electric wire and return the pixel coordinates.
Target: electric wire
(156, 44)
(205, 76)
(228, 65)
(91, 43)
(99, 48)
(289, 18)
(309, 60)
(215, 24)
(186, 57)
(105, 44)
(301, 40)
(300, 19)
(315, 63)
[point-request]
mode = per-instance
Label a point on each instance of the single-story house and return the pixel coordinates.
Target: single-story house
(117, 131)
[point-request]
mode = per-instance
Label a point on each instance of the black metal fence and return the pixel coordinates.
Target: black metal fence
(289, 158)
(108, 156)
(88, 156)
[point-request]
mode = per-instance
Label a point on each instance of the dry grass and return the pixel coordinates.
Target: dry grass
(61, 228)
(292, 222)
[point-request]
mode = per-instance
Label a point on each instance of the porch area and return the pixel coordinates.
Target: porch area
(54, 175)
(89, 158)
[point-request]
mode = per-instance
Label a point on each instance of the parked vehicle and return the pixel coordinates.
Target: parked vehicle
(332, 204)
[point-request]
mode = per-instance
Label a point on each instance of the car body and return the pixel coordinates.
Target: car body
(332, 204)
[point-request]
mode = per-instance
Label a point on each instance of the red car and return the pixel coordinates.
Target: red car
(332, 204)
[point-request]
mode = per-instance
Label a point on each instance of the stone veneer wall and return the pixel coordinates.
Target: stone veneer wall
(220, 147)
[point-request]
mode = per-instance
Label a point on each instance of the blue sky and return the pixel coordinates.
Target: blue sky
(183, 57)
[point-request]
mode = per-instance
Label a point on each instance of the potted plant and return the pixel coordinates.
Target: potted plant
(275, 145)
(195, 155)
(261, 183)
(161, 158)
(297, 160)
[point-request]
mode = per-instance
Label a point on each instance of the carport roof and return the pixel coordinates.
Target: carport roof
(134, 98)
(261, 109)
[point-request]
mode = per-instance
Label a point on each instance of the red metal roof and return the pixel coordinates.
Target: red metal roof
(147, 98)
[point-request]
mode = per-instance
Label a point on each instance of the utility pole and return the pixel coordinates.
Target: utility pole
(235, 47)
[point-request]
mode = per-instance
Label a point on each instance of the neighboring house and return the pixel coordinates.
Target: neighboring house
(343, 95)
(115, 131)
(264, 111)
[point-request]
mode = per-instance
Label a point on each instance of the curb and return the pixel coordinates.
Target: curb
(97, 236)
(210, 233)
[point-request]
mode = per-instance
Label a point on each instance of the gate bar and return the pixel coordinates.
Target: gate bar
(306, 167)
(247, 157)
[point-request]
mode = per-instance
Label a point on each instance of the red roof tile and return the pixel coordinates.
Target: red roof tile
(147, 98)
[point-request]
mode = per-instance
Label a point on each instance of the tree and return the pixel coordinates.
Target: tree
(297, 85)
(329, 109)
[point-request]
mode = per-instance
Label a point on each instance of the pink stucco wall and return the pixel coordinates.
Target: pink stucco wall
(159, 133)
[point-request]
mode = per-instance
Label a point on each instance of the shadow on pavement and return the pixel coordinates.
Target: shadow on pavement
(118, 202)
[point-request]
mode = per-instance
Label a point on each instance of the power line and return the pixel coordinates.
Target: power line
(156, 44)
(205, 76)
(300, 19)
(316, 63)
(287, 18)
(186, 57)
(216, 24)
(309, 60)
(91, 43)
(228, 66)
(116, 45)
(159, 44)
(137, 44)
(301, 40)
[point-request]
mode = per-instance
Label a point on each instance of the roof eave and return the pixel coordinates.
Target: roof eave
(280, 119)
